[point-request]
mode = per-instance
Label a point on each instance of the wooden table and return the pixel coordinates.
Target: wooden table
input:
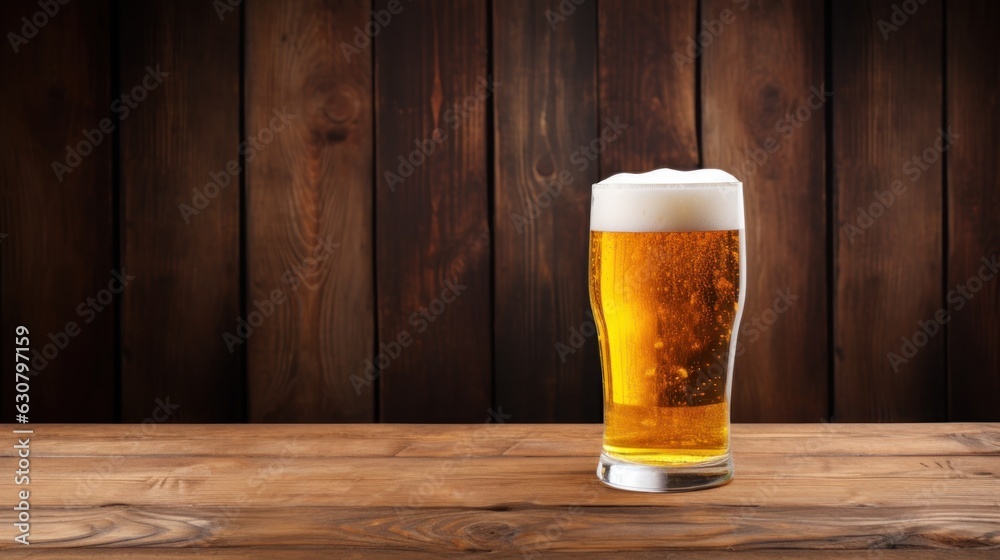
(521, 491)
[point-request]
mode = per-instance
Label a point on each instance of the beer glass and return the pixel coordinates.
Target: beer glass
(667, 283)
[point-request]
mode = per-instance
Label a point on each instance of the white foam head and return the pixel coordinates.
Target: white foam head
(668, 200)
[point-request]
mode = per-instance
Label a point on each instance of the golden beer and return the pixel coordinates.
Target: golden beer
(667, 301)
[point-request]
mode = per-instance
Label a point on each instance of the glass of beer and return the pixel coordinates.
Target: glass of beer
(667, 282)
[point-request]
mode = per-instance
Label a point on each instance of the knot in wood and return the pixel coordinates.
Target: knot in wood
(491, 532)
(343, 105)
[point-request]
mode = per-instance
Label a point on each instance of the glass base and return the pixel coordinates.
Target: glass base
(662, 478)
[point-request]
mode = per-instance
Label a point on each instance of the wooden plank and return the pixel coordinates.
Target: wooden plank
(432, 227)
(546, 370)
(973, 206)
(521, 529)
(321, 478)
(311, 553)
(494, 440)
(309, 222)
(181, 139)
(781, 499)
(769, 56)
(643, 87)
(492, 482)
(56, 237)
(888, 242)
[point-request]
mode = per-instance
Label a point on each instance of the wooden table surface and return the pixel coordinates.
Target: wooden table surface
(525, 491)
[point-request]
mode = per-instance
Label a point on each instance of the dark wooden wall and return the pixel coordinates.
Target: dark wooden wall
(324, 278)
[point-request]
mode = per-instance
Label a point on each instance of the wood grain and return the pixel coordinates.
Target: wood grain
(310, 553)
(763, 120)
(56, 236)
(309, 223)
(293, 481)
(522, 528)
(182, 134)
(973, 183)
(432, 220)
(922, 489)
(546, 369)
(887, 110)
(494, 440)
(636, 61)
(644, 84)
